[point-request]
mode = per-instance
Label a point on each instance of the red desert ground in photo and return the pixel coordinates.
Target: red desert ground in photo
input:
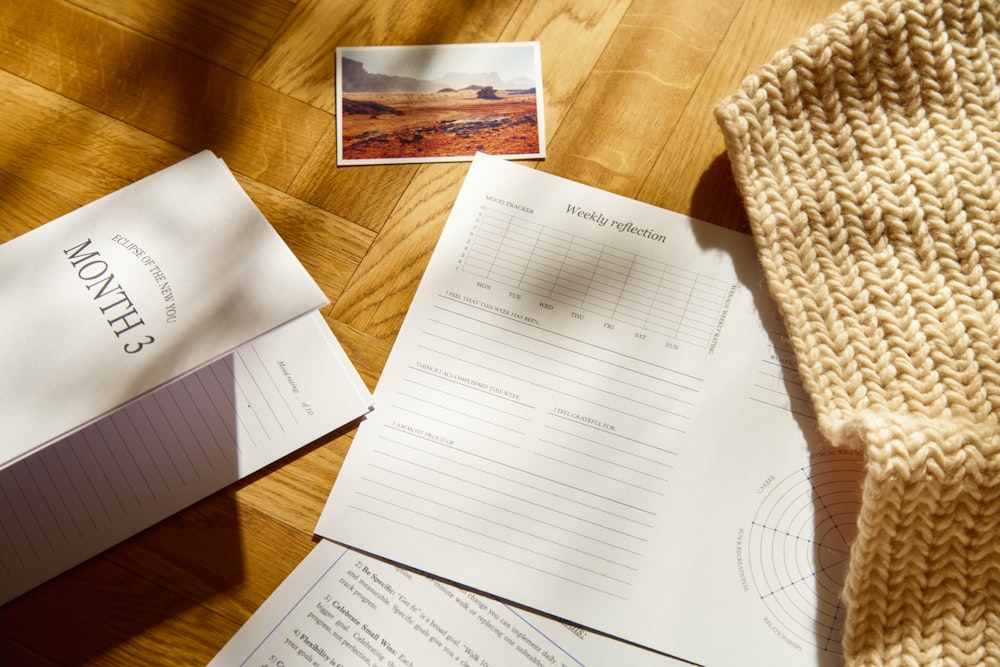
(447, 123)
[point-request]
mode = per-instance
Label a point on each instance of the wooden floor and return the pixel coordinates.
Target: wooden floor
(97, 93)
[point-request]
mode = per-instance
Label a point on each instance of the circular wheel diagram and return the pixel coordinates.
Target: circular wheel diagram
(799, 543)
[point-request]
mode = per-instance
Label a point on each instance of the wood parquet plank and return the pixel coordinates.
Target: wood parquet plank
(692, 173)
(368, 352)
(452, 21)
(159, 89)
(161, 597)
(589, 25)
(56, 155)
(212, 531)
(231, 35)
(295, 491)
(300, 59)
(365, 195)
(376, 300)
(638, 90)
(330, 247)
(15, 653)
(101, 613)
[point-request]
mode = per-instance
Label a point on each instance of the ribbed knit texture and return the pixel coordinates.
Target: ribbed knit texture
(868, 156)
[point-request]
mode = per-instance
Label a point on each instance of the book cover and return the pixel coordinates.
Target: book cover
(125, 294)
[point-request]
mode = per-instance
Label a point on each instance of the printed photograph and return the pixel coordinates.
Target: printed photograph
(439, 103)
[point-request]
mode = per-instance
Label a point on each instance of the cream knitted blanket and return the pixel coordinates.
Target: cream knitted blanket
(868, 156)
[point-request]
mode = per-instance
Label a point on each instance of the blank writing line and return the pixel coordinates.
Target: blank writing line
(506, 359)
(468, 387)
(34, 515)
(426, 401)
(598, 474)
(780, 394)
(90, 481)
(509, 510)
(20, 524)
(510, 495)
(260, 392)
(85, 434)
(583, 362)
(583, 358)
(613, 435)
(49, 498)
(529, 473)
(50, 482)
(423, 416)
(130, 452)
(183, 418)
(214, 401)
(522, 531)
(552, 389)
(140, 442)
(608, 461)
(73, 481)
(466, 529)
(573, 342)
(141, 405)
(274, 385)
(466, 399)
(245, 408)
(487, 552)
(199, 414)
(799, 413)
(8, 540)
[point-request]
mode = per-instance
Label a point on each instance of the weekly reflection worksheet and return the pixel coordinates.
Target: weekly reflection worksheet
(591, 411)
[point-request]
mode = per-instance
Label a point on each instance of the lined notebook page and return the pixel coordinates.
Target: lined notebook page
(175, 446)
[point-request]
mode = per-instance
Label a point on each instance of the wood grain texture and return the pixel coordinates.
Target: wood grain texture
(98, 93)
(159, 88)
(692, 173)
(213, 31)
(637, 91)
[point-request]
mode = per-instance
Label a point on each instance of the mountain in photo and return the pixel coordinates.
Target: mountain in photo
(354, 78)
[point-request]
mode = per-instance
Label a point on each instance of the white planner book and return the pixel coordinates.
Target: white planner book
(131, 291)
(591, 411)
(340, 607)
(171, 448)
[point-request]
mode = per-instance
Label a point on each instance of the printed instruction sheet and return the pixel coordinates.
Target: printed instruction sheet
(343, 608)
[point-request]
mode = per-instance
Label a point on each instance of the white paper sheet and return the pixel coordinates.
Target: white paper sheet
(342, 608)
(177, 445)
(589, 410)
(129, 292)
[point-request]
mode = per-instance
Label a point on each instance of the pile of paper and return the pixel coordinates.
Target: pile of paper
(589, 412)
(159, 344)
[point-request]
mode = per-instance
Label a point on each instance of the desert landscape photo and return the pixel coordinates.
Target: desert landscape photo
(387, 117)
